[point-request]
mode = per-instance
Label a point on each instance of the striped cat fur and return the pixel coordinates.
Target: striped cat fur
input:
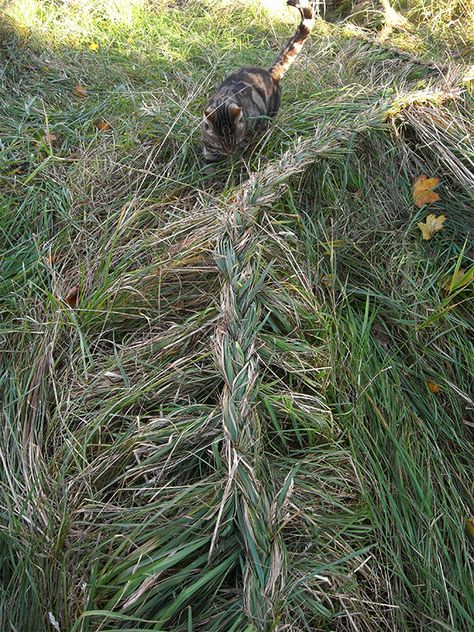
(248, 97)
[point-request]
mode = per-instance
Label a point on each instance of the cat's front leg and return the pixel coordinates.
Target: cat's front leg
(210, 156)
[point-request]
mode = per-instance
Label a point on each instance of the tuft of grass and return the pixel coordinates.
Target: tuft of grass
(231, 427)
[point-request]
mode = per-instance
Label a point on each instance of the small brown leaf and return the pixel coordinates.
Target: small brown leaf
(49, 138)
(79, 91)
(431, 225)
(328, 280)
(102, 125)
(19, 169)
(72, 297)
(470, 526)
(423, 190)
(434, 388)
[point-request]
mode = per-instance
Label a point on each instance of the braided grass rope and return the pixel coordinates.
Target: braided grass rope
(257, 514)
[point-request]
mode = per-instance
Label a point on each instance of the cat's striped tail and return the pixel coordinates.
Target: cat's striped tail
(288, 54)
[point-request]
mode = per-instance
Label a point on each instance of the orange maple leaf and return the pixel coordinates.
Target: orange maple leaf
(423, 190)
(102, 125)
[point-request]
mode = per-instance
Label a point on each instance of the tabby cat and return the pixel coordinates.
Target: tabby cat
(245, 100)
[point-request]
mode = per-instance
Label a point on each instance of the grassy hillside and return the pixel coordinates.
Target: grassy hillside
(239, 401)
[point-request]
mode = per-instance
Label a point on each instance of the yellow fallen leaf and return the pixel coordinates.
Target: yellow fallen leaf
(79, 91)
(93, 46)
(431, 225)
(434, 388)
(423, 190)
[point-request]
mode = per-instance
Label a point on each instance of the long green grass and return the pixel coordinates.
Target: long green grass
(239, 401)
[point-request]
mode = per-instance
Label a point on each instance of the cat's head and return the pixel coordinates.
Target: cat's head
(223, 127)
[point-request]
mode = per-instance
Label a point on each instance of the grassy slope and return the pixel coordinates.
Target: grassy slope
(115, 478)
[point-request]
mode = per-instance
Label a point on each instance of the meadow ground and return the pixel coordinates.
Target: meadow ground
(236, 402)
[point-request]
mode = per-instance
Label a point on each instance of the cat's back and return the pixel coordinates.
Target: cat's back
(253, 85)
(258, 78)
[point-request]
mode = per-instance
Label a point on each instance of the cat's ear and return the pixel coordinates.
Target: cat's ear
(235, 112)
(210, 115)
